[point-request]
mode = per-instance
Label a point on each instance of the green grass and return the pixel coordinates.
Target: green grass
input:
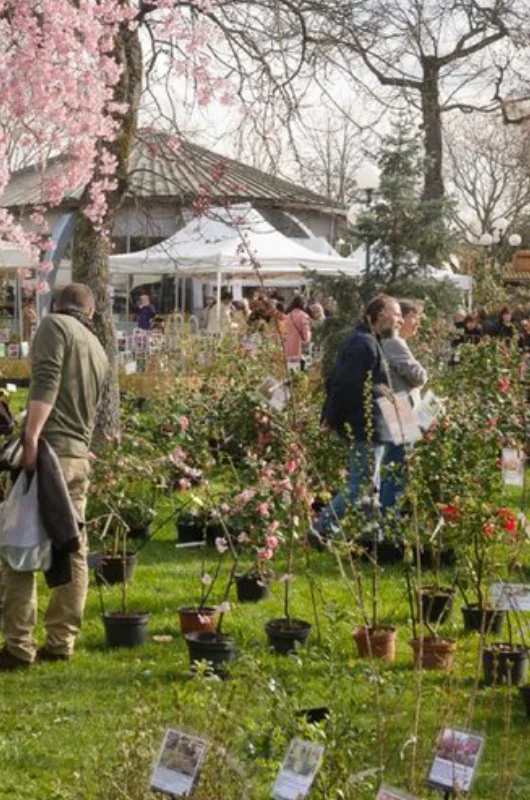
(91, 728)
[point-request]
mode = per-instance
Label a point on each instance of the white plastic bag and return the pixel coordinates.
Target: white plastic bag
(24, 544)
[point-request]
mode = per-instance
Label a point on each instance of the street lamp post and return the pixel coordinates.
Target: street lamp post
(367, 179)
(497, 237)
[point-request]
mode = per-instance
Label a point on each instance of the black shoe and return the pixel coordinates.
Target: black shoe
(43, 654)
(9, 662)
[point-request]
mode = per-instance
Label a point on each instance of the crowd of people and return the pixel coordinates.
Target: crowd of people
(508, 325)
(295, 320)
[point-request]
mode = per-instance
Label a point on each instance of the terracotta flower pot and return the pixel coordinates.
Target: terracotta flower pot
(377, 642)
(197, 620)
(434, 652)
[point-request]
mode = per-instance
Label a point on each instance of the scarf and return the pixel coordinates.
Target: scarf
(80, 317)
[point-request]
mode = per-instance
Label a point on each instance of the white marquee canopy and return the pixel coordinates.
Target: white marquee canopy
(231, 242)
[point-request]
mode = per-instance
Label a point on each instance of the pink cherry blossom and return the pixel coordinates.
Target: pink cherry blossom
(263, 509)
(184, 423)
(184, 484)
(242, 538)
(274, 526)
(206, 579)
(265, 554)
(272, 542)
(221, 544)
(224, 608)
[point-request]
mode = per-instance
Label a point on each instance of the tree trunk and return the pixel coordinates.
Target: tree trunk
(90, 247)
(433, 188)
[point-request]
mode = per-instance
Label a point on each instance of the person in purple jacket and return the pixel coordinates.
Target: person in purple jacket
(144, 312)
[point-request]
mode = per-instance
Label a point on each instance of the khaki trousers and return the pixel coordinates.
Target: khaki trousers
(67, 603)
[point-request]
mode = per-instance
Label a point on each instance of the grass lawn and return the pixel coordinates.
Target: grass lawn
(91, 728)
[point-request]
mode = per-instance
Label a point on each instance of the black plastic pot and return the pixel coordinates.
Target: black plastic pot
(285, 634)
(126, 630)
(111, 569)
(197, 530)
(524, 691)
(486, 620)
(141, 533)
(436, 604)
(314, 715)
(504, 664)
(217, 649)
(251, 588)
(389, 551)
(447, 557)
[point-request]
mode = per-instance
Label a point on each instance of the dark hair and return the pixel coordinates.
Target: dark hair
(504, 311)
(471, 318)
(280, 306)
(77, 296)
(297, 302)
(375, 306)
(225, 295)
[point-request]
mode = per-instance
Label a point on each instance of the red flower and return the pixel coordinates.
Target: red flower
(504, 385)
(488, 529)
(451, 513)
(509, 519)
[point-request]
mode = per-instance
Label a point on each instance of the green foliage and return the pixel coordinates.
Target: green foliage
(406, 232)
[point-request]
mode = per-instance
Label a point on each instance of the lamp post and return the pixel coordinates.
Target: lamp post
(367, 180)
(497, 237)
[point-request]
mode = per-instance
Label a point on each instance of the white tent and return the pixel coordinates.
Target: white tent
(232, 242)
(14, 257)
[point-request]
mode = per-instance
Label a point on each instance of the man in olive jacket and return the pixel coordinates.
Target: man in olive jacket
(69, 369)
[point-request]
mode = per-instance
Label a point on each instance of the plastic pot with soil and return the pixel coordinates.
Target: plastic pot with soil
(252, 587)
(217, 649)
(433, 652)
(286, 634)
(125, 629)
(194, 619)
(483, 620)
(379, 642)
(436, 603)
(114, 569)
(504, 664)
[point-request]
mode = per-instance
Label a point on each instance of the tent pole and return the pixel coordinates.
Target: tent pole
(218, 299)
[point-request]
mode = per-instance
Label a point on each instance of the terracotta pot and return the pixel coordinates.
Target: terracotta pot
(377, 642)
(195, 620)
(438, 653)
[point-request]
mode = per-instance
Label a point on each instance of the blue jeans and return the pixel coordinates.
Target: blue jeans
(393, 475)
(365, 471)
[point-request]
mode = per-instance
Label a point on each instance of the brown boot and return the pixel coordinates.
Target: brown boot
(43, 654)
(9, 662)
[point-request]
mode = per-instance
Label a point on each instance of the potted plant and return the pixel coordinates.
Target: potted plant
(123, 628)
(212, 644)
(287, 483)
(201, 617)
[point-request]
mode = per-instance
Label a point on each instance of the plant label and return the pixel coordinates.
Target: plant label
(455, 760)
(399, 418)
(428, 410)
(179, 763)
(298, 770)
(130, 367)
(510, 596)
(11, 387)
(513, 462)
(388, 793)
(275, 393)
